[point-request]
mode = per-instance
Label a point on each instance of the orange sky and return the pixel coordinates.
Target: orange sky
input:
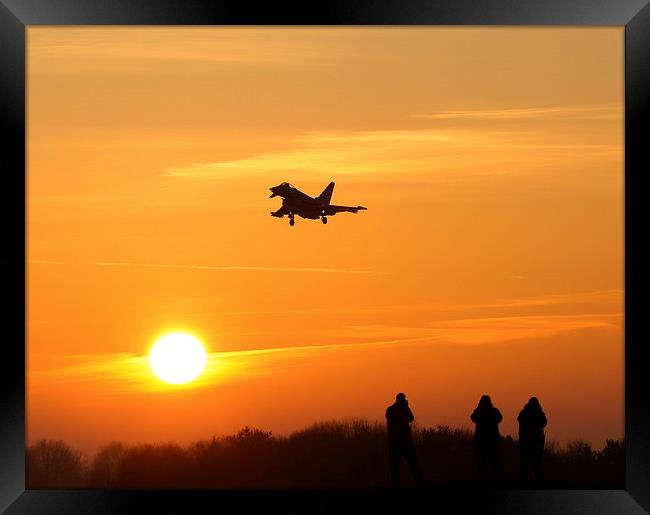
(490, 259)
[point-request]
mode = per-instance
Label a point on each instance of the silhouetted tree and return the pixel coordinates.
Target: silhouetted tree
(153, 466)
(611, 461)
(105, 465)
(53, 464)
(330, 454)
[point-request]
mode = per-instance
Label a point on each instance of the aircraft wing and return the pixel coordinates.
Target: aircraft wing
(280, 212)
(348, 209)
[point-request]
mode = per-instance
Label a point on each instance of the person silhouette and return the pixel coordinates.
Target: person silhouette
(486, 437)
(532, 421)
(400, 442)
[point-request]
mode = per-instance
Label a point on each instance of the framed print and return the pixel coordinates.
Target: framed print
(344, 257)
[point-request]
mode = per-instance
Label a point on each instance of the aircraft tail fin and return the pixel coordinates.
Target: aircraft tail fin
(326, 196)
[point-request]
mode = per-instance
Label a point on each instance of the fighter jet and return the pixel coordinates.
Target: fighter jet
(295, 202)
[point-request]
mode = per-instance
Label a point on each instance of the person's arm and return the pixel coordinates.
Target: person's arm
(474, 416)
(498, 415)
(409, 415)
(544, 421)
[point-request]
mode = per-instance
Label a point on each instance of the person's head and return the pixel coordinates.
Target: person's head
(533, 402)
(485, 401)
(400, 397)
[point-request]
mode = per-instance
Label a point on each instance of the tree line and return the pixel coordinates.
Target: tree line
(332, 454)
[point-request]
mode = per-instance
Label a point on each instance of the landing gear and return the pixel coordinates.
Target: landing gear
(291, 220)
(323, 219)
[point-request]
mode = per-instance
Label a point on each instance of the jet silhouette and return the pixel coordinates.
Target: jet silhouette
(295, 202)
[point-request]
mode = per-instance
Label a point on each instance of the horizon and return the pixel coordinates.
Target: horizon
(555, 445)
(490, 259)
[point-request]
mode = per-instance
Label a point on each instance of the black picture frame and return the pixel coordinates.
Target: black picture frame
(16, 15)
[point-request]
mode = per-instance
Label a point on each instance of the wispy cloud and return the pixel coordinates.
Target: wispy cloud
(78, 49)
(126, 372)
(587, 112)
(207, 267)
(334, 153)
(560, 299)
(487, 330)
(404, 151)
(557, 299)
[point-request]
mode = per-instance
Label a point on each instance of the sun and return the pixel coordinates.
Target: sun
(177, 358)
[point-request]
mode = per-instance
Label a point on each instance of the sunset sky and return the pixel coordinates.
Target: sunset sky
(490, 259)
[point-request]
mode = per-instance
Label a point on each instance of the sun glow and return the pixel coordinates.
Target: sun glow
(177, 358)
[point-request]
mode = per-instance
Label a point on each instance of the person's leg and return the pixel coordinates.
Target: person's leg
(394, 465)
(412, 460)
(480, 457)
(494, 463)
(537, 463)
(524, 462)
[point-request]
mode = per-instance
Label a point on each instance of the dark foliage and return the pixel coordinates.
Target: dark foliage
(53, 464)
(348, 454)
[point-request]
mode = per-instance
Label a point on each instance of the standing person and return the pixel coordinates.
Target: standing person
(532, 421)
(486, 437)
(400, 442)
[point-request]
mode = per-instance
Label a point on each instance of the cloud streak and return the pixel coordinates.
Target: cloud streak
(588, 112)
(560, 299)
(120, 47)
(556, 299)
(127, 372)
(489, 330)
(208, 267)
(435, 152)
